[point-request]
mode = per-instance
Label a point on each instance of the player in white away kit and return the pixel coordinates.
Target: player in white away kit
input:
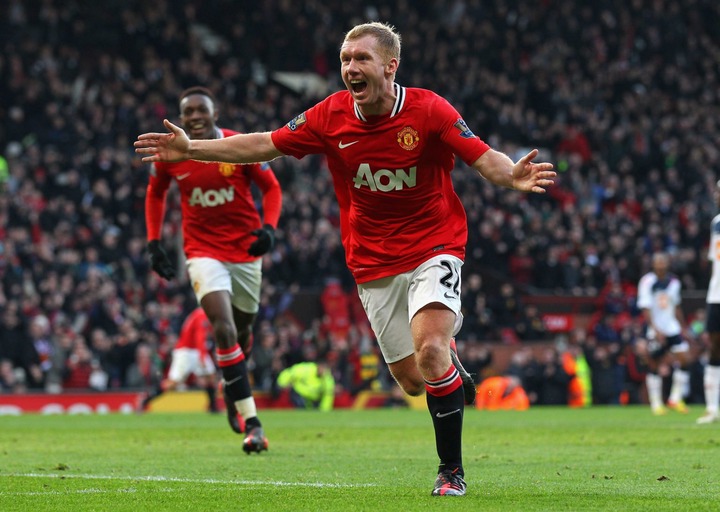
(712, 370)
(391, 150)
(659, 299)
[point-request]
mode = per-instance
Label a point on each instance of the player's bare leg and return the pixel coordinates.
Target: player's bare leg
(243, 323)
(159, 389)
(231, 360)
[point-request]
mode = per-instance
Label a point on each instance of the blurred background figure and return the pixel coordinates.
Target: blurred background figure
(190, 356)
(311, 385)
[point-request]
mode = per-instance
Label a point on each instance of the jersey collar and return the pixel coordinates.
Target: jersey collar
(397, 107)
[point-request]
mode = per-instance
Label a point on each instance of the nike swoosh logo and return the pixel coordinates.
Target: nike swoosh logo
(442, 415)
(448, 296)
(183, 176)
(343, 146)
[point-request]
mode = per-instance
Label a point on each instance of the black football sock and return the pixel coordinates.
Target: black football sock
(211, 393)
(237, 384)
(446, 403)
(152, 395)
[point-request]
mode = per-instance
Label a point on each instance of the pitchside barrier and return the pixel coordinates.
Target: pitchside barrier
(175, 401)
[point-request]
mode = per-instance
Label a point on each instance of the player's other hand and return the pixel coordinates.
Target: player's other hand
(265, 240)
(531, 177)
(164, 147)
(159, 260)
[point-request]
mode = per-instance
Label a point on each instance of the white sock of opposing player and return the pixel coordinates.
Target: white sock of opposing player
(654, 390)
(680, 379)
(711, 380)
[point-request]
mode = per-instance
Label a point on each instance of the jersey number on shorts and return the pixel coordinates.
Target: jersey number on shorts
(451, 280)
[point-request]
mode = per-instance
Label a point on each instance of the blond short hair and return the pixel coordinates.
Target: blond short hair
(387, 37)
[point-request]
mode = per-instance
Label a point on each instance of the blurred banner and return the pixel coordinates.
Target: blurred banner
(176, 401)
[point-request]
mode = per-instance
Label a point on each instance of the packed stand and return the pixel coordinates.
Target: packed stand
(623, 96)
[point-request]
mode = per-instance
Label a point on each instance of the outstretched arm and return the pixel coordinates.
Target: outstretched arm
(176, 146)
(524, 175)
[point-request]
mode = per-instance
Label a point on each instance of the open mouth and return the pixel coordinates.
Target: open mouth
(358, 86)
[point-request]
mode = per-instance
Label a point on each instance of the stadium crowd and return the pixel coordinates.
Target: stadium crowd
(621, 95)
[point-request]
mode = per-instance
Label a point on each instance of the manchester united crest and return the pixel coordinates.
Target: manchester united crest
(408, 138)
(226, 169)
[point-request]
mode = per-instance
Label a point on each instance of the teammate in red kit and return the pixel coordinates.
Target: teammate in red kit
(391, 150)
(223, 241)
(190, 356)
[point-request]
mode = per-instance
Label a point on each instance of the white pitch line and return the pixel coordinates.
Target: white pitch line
(186, 480)
(78, 491)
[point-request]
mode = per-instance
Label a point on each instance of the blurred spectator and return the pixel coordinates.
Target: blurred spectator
(476, 358)
(601, 358)
(637, 361)
(526, 367)
(554, 380)
(530, 326)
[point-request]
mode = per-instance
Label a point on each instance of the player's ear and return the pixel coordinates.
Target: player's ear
(392, 66)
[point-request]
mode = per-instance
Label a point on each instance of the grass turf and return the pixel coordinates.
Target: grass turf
(602, 458)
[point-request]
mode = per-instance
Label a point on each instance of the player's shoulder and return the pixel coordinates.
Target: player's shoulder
(419, 92)
(715, 224)
(428, 103)
(648, 278)
(418, 96)
(337, 101)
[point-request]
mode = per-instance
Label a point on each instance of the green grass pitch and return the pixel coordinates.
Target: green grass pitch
(544, 459)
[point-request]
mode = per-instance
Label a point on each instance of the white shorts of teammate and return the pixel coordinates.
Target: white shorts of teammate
(392, 302)
(241, 280)
(186, 361)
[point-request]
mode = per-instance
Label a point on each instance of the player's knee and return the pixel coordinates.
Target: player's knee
(428, 354)
(225, 333)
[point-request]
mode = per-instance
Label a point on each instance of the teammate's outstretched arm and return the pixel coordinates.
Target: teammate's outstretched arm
(523, 175)
(176, 146)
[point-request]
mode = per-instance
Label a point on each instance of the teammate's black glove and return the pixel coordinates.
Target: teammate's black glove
(159, 260)
(265, 240)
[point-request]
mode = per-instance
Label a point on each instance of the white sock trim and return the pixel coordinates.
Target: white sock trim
(246, 407)
(711, 381)
(654, 389)
(680, 380)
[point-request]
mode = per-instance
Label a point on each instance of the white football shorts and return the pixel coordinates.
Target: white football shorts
(241, 280)
(186, 361)
(392, 302)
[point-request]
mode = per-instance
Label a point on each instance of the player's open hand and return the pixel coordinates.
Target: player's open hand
(532, 177)
(164, 147)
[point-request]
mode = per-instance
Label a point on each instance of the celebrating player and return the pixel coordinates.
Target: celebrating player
(223, 241)
(659, 299)
(390, 150)
(190, 356)
(712, 370)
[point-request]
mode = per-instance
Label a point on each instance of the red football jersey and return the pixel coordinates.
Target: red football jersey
(218, 211)
(391, 175)
(195, 332)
